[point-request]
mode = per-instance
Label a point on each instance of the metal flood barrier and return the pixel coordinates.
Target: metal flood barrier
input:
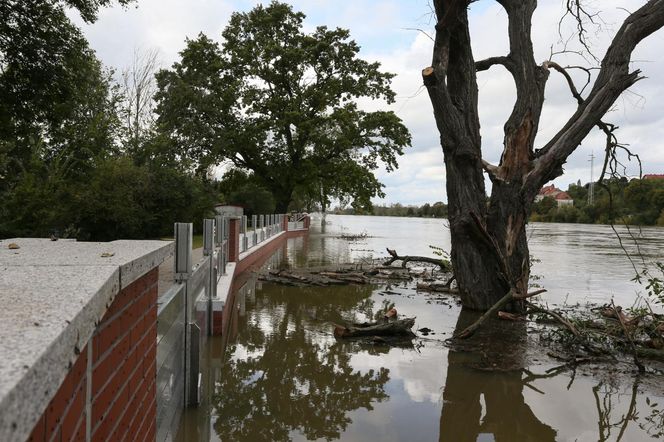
(184, 315)
(184, 322)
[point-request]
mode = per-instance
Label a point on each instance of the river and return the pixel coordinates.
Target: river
(279, 374)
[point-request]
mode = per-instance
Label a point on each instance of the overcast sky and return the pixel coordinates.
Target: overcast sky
(383, 30)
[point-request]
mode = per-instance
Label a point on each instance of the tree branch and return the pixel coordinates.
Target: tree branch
(483, 65)
(613, 79)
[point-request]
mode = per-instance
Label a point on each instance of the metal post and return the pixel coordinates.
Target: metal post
(183, 243)
(208, 237)
(219, 232)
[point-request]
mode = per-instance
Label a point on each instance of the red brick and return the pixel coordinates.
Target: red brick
(129, 413)
(151, 277)
(146, 412)
(135, 380)
(109, 364)
(122, 300)
(79, 434)
(150, 434)
(152, 295)
(64, 395)
(105, 423)
(39, 431)
(74, 413)
(116, 328)
(142, 409)
(115, 390)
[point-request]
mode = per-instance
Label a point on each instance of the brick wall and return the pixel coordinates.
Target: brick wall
(233, 239)
(118, 368)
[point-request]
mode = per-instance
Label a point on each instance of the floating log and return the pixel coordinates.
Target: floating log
(400, 327)
(356, 278)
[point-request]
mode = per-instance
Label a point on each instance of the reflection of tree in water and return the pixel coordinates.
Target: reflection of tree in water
(611, 419)
(288, 381)
(506, 416)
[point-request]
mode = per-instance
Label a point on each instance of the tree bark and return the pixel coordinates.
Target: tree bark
(489, 252)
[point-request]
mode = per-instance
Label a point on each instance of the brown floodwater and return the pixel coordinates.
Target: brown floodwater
(279, 374)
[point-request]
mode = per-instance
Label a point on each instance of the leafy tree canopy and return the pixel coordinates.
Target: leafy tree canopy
(55, 98)
(282, 103)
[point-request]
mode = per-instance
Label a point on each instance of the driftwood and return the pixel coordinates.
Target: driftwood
(319, 279)
(635, 353)
(512, 295)
(437, 287)
(444, 266)
(400, 327)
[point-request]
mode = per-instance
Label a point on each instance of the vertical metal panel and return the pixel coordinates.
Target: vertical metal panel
(219, 230)
(183, 243)
(195, 369)
(170, 361)
(208, 236)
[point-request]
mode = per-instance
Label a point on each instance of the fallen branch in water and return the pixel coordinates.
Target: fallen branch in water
(444, 265)
(620, 317)
(512, 295)
(386, 327)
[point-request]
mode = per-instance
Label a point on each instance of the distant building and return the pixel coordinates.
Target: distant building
(562, 198)
(653, 176)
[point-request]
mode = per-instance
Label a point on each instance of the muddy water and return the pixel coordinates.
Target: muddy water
(278, 374)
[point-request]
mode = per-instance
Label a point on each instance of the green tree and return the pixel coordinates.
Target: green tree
(545, 205)
(280, 102)
(57, 114)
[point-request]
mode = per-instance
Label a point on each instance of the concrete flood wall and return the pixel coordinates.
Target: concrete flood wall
(91, 352)
(78, 352)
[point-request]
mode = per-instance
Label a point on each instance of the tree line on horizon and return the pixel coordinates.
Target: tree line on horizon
(94, 154)
(617, 201)
(427, 210)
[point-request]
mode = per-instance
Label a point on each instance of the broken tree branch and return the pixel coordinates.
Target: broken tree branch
(628, 335)
(444, 265)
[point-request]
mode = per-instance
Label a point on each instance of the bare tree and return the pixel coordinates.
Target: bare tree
(138, 89)
(489, 245)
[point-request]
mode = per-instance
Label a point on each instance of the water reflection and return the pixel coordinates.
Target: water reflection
(280, 377)
(483, 402)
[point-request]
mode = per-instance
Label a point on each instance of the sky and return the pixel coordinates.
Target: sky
(394, 32)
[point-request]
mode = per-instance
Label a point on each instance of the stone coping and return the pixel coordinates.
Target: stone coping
(52, 295)
(257, 247)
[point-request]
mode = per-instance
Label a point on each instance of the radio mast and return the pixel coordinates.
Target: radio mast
(591, 186)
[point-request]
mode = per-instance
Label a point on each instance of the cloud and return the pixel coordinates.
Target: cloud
(381, 28)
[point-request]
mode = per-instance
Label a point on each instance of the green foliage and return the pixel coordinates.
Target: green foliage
(639, 201)
(437, 210)
(654, 284)
(242, 189)
(61, 168)
(281, 103)
(443, 254)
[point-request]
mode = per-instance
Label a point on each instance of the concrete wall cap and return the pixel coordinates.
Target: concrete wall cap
(53, 294)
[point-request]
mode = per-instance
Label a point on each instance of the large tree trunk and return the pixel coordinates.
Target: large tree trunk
(282, 198)
(489, 245)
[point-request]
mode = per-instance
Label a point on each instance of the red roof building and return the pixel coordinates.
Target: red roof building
(653, 176)
(562, 198)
